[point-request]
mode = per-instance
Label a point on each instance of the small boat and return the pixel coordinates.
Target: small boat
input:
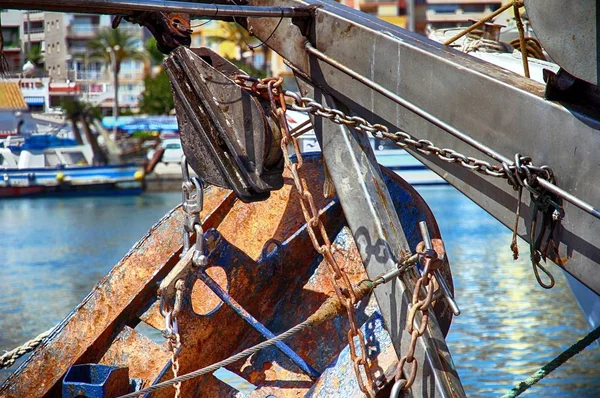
(46, 165)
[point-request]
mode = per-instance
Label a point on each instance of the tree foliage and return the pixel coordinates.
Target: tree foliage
(35, 55)
(156, 57)
(107, 37)
(157, 98)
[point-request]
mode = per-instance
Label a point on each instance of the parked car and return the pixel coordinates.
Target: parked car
(173, 151)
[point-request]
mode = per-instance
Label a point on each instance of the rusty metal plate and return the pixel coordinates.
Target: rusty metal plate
(130, 348)
(88, 331)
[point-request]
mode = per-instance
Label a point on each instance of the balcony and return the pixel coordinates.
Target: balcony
(89, 76)
(82, 31)
(35, 16)
(35, 35)
(127, 75)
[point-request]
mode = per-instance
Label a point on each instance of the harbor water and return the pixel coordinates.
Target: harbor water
(53, 251)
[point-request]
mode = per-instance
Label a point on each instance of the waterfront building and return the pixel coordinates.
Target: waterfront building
(61, 40)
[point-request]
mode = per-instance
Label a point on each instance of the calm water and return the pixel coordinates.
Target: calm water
(53, 251)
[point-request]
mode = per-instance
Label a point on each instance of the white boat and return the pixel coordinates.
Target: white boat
(61, 170)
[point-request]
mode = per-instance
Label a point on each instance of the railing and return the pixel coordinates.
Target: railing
(33, 31)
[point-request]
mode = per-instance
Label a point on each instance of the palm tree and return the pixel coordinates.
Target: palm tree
(118, 44)
(35, 55)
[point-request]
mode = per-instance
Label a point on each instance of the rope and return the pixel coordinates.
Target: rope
(555, 363)
(10, 357)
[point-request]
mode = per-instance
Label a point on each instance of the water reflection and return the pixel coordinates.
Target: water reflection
(54, 250)
(509, 326)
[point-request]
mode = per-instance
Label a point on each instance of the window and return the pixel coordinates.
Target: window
(51, 159)
(73, 158)
(57, 47)
(473, 8)
(173, 146)
(444, 8)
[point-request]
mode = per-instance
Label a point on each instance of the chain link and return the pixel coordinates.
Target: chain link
(270, 88)
(424, 284)
(520, 174)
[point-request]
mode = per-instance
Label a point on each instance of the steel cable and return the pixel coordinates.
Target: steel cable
(211, 368)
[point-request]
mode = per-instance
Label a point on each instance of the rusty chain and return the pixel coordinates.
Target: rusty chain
(424, 284)
(172, 333)
(523, 174)
(270, 88)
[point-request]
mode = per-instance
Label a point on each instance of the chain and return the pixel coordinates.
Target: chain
(171, 333)
(425, 284)
(521, 174)
(192, 203)
(270, 89)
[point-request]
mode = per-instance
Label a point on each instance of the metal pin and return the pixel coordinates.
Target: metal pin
(438, 275)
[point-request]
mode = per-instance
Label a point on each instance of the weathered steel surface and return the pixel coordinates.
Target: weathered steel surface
(256, 324)
(275, 375)
(86, 333)
(131, 349)
(336, 380)
(568, 31)
(225, 131)
(450, 85)
(259, 274)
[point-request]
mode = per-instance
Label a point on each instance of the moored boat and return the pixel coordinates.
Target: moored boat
(32, 170)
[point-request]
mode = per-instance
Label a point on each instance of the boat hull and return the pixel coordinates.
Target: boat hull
(78, 181)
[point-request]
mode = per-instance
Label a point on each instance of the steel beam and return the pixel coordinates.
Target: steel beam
(125, 7)
(381, 242)
(502, 110)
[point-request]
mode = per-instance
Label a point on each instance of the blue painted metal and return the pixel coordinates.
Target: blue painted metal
(95, 381)
(259, 327)
(338, 380)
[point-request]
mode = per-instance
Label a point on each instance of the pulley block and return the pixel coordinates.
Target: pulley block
(228, 135)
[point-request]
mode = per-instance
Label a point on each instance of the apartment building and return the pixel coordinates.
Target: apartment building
(32, 29)
(91, 80)
(12, 33)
